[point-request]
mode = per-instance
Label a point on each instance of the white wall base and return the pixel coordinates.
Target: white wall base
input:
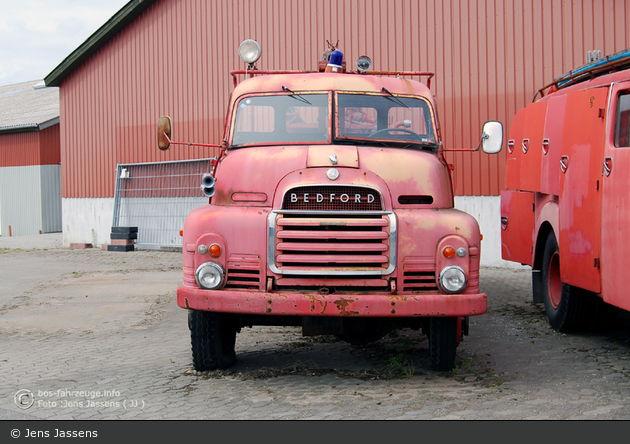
(90, 219)
(87, 220)
(487, 211)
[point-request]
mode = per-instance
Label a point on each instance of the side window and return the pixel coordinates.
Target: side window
(622, 120)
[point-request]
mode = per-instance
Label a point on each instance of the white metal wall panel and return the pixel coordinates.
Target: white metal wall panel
(51, 198)
(20, 189)
(30, 200)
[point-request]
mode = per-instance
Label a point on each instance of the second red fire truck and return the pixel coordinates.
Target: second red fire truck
(566, 210)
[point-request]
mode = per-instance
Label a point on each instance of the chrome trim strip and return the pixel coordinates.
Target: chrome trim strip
(393, 244)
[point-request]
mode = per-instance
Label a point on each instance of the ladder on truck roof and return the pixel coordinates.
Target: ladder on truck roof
(589, 71)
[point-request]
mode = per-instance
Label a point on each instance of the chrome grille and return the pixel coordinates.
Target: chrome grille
(332, 244)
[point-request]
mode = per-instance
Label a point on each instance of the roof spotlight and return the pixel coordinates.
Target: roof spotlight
(364, 63)
(249, 51)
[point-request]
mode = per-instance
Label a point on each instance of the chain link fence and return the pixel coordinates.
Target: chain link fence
(157, 197)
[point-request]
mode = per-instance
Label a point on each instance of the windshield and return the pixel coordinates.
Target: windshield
(384, 117)
(302, 118)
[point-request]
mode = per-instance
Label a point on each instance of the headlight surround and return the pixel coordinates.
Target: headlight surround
(453, 279)
(210, 276)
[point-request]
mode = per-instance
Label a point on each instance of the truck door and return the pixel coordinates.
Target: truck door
(616, 199)
(580, 181)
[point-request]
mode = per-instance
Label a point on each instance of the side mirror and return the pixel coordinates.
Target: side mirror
(492, 137)
(165, 130)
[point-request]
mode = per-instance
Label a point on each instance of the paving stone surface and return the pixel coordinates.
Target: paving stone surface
(94, 334)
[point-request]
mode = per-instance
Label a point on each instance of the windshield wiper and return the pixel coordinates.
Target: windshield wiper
(387, 143)
(296, 96)
(385, 90)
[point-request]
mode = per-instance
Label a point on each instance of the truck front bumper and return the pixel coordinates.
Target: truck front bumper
(315, 304)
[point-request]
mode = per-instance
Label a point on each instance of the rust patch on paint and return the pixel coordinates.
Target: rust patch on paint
(342, 305)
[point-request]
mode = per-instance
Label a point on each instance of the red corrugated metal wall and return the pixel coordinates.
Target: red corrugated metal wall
(489, 56)
(30, 148)
(19, 149)
(49, 146)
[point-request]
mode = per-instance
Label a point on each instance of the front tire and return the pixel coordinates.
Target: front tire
(213, 337)
(443, 343)
(567, 307)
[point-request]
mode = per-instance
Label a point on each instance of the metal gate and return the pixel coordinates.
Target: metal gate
(157, 197)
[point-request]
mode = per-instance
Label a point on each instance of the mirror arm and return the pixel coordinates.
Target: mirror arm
(191, 143)
(470, 150)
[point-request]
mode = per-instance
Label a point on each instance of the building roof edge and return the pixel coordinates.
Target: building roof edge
(113, 26)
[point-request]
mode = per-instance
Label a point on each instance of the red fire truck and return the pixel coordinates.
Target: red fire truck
(566, 210)
(331, 208)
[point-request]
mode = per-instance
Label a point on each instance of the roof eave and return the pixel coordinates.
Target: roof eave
(19, 128)
(27, 127)
(113, 26)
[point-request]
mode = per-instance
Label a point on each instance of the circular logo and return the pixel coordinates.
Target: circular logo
(24, 399)
(332, 174)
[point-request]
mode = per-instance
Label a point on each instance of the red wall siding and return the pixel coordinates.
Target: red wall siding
(19, 149)
(49, 146)
(30, 148)
(489, 56)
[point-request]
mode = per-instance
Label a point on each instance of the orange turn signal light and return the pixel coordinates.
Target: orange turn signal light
(449, 252)
(215, 250)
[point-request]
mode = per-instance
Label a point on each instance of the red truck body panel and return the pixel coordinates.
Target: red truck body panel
(563, 184)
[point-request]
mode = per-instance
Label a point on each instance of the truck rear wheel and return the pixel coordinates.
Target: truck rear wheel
(443, 343)
(213, 337)
(567, 307)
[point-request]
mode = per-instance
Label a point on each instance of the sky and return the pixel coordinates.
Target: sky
(37, 35)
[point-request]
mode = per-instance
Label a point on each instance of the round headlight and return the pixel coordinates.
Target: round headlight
(453, 279)
(210, 276)
(249, 51)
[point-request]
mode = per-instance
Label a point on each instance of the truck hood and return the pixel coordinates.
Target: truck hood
(260, 172)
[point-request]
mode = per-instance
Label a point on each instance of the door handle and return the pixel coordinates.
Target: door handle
(608, 164)
(545, 146)
(564, 163)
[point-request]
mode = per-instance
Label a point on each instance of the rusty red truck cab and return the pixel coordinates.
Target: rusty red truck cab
(331, 208)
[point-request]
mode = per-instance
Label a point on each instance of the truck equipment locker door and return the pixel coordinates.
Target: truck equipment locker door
(580, 181)
(517, 226)
(532, 147)
(552, 143)
(616, 199)
(515, 153)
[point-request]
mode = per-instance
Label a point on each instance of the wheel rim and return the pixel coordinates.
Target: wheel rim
(554, 284)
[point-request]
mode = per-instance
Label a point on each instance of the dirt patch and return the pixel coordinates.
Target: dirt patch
(88, 291)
